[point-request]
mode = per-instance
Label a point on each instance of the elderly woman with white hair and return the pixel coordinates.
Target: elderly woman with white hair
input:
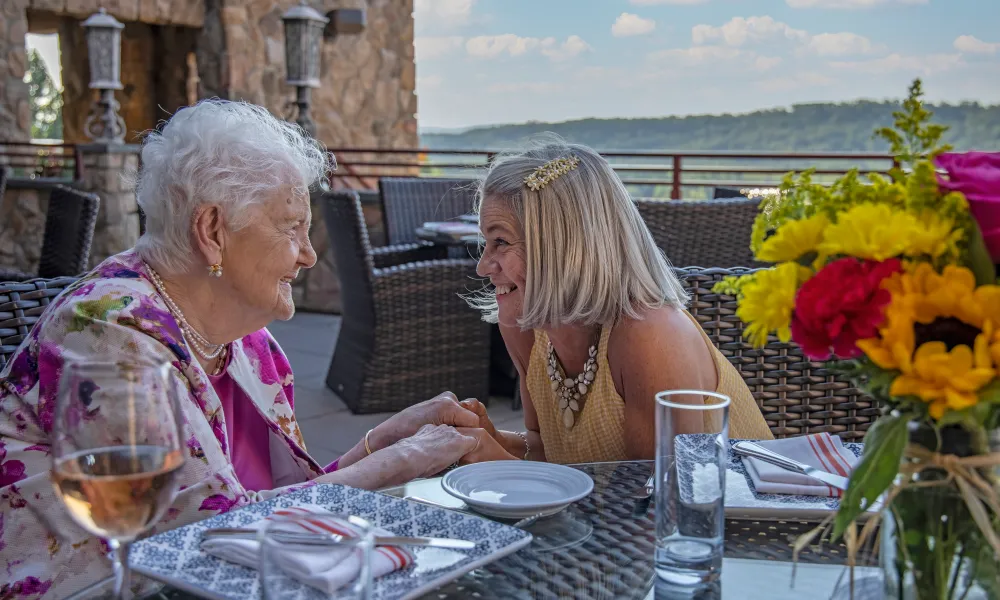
(590, 311)
(224, 187)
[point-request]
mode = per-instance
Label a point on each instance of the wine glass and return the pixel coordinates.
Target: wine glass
(117, 450)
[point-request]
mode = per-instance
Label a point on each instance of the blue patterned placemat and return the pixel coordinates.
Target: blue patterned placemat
(174, 556)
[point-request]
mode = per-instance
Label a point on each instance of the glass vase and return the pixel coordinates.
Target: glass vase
(931, 548)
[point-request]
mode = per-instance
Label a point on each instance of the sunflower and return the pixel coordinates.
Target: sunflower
(879, 231)
(794, 239)
(940, 334)
(768, 299)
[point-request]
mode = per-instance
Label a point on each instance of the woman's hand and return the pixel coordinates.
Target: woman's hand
(484, 419)
(487, 447)
(441, 410)
(432, 449)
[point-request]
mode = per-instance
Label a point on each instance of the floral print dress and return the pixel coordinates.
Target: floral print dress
(114, 313)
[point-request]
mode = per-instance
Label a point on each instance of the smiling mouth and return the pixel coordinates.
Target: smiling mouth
(503, 290)
(287, 280)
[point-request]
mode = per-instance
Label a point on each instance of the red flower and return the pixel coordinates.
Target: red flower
(840, 305)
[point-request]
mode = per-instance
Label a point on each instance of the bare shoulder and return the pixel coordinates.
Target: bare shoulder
(665, 344)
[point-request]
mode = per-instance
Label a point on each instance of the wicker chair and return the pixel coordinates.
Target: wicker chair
(69, 231)
(21, 304)
(796, 396)
(703, 233)
(409, 202)
(406, 335)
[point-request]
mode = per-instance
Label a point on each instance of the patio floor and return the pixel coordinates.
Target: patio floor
(329, 427)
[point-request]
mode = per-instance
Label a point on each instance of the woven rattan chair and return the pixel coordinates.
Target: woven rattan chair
(409, 202)
(406, 335)
(702, 233)
(796, 396)
(21, 304)
(69, 232)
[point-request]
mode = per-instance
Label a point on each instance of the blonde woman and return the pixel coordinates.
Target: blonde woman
(590, 311)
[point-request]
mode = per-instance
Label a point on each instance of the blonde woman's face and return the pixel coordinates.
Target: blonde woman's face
(503, 259)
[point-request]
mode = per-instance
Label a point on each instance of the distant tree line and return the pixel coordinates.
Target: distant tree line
(845, 127)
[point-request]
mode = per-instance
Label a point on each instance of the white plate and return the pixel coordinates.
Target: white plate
(516, 489)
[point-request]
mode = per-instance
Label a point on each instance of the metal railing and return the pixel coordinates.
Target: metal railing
(649, 174)
(39, 160)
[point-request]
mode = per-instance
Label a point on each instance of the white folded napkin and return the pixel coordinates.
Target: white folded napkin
(820, 450)
(326, 571)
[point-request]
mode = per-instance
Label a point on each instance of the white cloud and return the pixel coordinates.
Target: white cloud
(450, 13)
(573, 46)
(744, 31)
(766, 63)
(694, 56)
(925, 65)
(840, 44)
(658, 2)
(848, 4)
(739, 31)
(429, 48)
(970, 44)
(493, 46)
(628, 24)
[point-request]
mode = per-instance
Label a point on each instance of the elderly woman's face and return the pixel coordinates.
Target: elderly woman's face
(504, 258)
(264, 257)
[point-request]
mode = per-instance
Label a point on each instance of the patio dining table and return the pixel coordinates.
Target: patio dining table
(603, 548)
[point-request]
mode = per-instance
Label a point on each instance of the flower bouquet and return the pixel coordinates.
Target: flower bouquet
(892, 281)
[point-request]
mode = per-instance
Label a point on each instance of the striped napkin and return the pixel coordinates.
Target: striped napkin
(326, 571)
(821, 450)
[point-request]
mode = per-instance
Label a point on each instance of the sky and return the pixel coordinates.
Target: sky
(511, 61)
(485, 62)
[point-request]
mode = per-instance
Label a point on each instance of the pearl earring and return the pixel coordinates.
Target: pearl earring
(215, 270)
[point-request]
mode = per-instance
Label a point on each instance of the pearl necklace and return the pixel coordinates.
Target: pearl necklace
(572, 390)
(201, 345)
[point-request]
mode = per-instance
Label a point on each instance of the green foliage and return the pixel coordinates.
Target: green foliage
(821, 127)
(879, 465)
(912, 137)
(46, 100)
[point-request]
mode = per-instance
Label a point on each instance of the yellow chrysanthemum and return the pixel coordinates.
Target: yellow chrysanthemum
(768, 300)
(794, 239)
(945, 379)
(879, 231)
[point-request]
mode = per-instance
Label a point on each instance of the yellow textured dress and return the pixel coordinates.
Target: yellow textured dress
(599, 432)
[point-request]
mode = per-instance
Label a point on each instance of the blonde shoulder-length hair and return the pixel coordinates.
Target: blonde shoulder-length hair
(590, 257)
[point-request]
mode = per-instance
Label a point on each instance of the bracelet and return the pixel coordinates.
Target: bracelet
(527, 449)
(368, 449)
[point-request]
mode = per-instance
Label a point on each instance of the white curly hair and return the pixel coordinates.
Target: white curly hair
(216, 152)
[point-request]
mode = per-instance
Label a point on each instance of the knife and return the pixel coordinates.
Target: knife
(322, 539)
(758, 451)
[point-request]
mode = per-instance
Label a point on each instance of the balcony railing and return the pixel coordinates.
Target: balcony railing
(649, 174)
(38, 160)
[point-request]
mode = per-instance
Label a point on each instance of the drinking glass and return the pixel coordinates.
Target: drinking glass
(117, 451)
(692, 432)
(316, 557)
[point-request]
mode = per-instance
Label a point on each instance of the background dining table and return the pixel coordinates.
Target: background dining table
(602, 547)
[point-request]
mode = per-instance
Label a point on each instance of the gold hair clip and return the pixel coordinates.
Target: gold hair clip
(550, 171)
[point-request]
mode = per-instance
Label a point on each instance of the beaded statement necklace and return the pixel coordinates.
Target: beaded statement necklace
(571, 391)
(198, 342)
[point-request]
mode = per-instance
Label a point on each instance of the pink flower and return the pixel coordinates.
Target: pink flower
(219, 502)
(11, 471)
(977, 176)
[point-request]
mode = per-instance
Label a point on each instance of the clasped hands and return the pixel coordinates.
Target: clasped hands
(442, 431)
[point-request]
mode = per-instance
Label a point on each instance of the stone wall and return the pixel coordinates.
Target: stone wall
(15, 112)
(22, 224)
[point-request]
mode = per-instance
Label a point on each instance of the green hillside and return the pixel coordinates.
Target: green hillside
(803, 127)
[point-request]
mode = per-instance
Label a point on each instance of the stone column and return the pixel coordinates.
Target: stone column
(15, 110)
(104, 167)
